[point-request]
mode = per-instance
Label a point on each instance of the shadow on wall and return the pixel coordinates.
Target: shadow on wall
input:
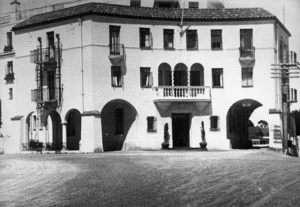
(117, 118)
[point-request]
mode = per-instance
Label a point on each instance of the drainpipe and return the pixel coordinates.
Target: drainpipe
(59, 69)
(81, 59)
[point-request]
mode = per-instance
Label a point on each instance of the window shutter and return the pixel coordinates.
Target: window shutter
(150, 79)
(6, 69)
(151, 39)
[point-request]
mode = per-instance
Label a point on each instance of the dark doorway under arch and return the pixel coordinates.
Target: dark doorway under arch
(237, 123)
(52, 121)
(117, 117)
(73, 119)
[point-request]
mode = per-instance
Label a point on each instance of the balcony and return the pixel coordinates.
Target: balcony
(48, 95)
(116, 53)
(182, 98)
(247, 52)
(247, 56)
(46, 55)
(9, 77)
(8, 48)
(179, 93)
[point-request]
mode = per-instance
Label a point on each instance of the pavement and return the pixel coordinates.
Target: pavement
(151, 178)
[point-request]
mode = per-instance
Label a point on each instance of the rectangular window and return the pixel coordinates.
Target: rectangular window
(116, 76)
(191, 39)
(10, 93)
(9, 69)
(214, 123)
(135, 3)
(216, 39)
(247, 77)
(145, 38)
(114, 40)
(146, 78)
(246, 38)
(119, 117)
(151, 124)
(9, 39)
(168, 38)
(217, 77)
(193, 5)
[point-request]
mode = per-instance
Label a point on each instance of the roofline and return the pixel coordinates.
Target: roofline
(173, 18)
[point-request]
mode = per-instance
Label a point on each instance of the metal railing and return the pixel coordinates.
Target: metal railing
(42, 55)
(183, 92)
(247, 52)
(48, 94)
(116, 49)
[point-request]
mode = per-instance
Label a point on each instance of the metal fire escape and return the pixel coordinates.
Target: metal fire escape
(48, 92)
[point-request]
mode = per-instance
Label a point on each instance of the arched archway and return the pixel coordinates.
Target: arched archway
(30, 129)
(164, 75)
(237, 123)
(197, 75)
(180, 75)
(52, 122)
(117, 117)
(73, 118)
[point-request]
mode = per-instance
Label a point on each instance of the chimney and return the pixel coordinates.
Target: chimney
(215, 4)
(15, 7)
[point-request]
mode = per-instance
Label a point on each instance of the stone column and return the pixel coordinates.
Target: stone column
(91, 132)
(64, 135)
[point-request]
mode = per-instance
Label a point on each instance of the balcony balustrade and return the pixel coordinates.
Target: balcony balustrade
(48, 95)
(45, 55)
(247, 52)
(116, 53)
(183, 93)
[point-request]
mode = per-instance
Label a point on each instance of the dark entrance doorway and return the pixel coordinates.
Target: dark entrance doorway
(237, 123)
(73, 129)
(181, 130)
(117, 118)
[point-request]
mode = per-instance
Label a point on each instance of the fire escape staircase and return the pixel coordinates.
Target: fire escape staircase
(48, 61)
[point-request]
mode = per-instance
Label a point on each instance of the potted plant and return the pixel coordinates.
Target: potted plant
(165, 144)
(203, 143)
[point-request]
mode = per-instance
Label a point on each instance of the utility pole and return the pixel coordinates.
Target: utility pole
(285, 71)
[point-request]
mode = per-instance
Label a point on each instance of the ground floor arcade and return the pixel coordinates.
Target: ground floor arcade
(119, 125)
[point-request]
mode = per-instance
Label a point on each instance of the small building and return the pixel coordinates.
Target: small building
(100, 77)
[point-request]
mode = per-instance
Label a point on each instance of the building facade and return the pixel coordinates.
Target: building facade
(99, 77)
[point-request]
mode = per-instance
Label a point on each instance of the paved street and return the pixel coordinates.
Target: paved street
(158, 178)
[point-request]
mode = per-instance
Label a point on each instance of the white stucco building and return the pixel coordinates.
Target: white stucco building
(98, 77)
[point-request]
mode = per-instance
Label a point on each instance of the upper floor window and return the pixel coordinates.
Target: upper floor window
(119, 121)
(247, 77)
(116, 76)
(191, 39)
(216, 39)
(166, 4)
(146, 78)
(8, 47)
(114, 40)
(168, 38)
(9, 72)
(246, 37)
(217, 77)
(164, 75)
(135, 3)
(214, 123)
(10, 93)
(151, 124)
(145, 38)
(193, 5)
